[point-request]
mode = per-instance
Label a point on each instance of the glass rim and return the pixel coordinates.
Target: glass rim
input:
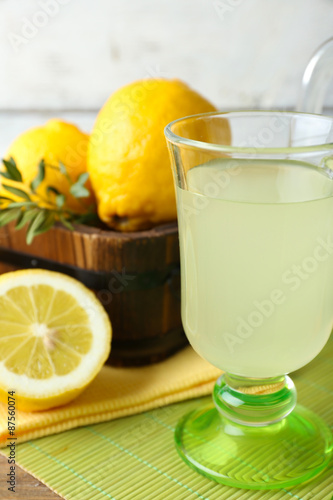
(245, 150)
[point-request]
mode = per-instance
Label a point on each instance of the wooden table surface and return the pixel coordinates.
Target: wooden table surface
(27, 487)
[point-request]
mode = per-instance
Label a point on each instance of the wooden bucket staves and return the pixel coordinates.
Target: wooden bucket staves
(134, 275)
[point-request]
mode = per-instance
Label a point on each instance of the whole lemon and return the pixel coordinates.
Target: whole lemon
(128, 159)
(56, 141)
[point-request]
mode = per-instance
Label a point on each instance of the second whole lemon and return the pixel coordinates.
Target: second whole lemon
(128, 160)
(56, 141)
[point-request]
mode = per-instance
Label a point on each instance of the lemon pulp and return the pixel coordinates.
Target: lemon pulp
(54, 337)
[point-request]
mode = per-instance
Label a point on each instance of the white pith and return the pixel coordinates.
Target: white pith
(98, 323)
(40, 330)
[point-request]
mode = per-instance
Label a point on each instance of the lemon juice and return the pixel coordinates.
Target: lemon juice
(256, 241)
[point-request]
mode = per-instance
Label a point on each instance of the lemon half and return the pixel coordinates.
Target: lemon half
(54, 338)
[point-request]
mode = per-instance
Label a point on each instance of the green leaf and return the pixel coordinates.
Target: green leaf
(34, 225)
(5, 198)
(12, 170)
(60, 200)
(83, 178)
(39, 218)
(47, 224)
(26, 216)
(63, 169)
(6, 175)
(65, 222)
(78, 190)
(20, 204)
(18, 220)
(8, 215)
(17, 192)
(39, 177)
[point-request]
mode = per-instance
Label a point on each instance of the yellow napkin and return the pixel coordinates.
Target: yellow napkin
(117, 392)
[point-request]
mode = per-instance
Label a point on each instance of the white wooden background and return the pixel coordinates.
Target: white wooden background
(64, 57)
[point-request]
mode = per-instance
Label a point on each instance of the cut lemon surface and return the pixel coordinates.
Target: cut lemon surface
(54, 338)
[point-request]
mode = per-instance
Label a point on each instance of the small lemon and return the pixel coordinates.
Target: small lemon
(54, 338)
(56, 141)
(128, 159)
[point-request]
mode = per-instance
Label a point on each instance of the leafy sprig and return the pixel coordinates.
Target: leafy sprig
(40, 212)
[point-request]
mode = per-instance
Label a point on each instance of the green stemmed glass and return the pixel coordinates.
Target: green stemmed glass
(255, 211)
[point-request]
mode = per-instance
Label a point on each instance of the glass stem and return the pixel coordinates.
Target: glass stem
(252, 401)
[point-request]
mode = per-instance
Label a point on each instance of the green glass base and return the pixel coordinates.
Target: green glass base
(280, 455)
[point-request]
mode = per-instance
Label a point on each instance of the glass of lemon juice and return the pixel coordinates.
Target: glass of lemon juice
(255, 212)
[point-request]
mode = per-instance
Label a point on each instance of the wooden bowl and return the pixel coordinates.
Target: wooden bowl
(134, 275)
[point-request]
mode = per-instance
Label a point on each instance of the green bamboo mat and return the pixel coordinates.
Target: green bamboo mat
(135, 458)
